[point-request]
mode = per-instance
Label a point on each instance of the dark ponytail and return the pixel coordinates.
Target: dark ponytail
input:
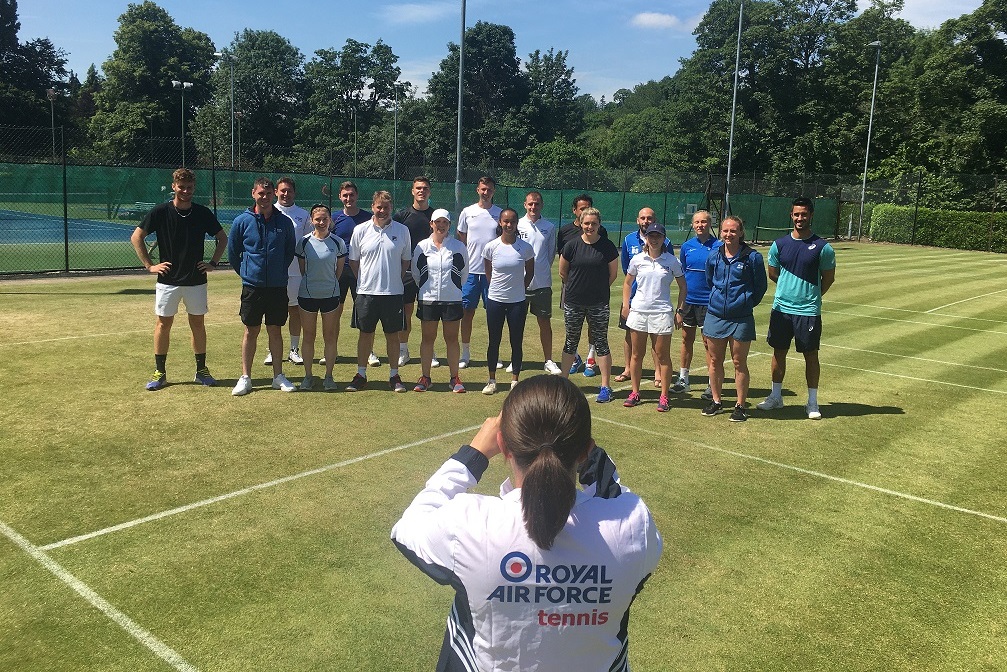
(546, 426)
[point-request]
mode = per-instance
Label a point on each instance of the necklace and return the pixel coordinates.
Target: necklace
(179, 212)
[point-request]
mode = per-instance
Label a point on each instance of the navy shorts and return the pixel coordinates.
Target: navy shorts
(369, 309)
(259, 302)
(804, 330)
(309, 305)
(439, 311)
(693, 316)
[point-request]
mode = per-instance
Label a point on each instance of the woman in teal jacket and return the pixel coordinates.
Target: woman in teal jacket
(737, 278)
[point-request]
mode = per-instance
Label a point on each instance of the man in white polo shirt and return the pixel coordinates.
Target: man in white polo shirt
(540, 233)
(380, 253)
(285, 192)
(477, 225)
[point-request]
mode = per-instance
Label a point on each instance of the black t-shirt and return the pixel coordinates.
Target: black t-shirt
(587, 279)
(417, 221)
(180, 238)
(571, 231)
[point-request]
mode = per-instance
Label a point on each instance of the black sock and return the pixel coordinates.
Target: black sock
(159, 361)
(201, 361)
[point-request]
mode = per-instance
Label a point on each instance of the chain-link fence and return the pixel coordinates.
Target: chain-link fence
(68, 208)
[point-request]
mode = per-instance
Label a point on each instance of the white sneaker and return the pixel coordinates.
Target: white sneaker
(513, 384)
(500, 365)
(491, 387)
(813, 412)
(321, 362)
(280, 382)
(294, 356)
(771, 402)
(404, 357)
(269, 358)
(551, 368)
(243, 387)
(463, 363)
(372, 360)
(510, 367)
(435, 362)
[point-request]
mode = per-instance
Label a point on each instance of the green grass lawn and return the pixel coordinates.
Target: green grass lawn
(871, 540)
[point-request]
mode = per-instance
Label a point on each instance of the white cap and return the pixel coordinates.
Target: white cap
(440, 213)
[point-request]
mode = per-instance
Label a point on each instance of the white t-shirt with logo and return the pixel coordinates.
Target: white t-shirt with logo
(507, 280)
(541, 235)
(380, 253)
(653, 281)
(480, 227)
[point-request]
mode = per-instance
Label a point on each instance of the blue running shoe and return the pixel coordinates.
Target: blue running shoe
(578, 364)
(604, 395)
(157, 381)
(590, 369)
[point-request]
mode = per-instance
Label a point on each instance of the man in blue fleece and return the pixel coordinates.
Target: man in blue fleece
(260, 247)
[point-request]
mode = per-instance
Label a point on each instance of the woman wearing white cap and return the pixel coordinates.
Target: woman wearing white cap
(440, 268)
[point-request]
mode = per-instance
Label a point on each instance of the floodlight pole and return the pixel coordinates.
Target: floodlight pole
(395, 133)
(458, 138)
(51, 95)
(870, 126)
(230, 62)
(182, 86)
(734, 107)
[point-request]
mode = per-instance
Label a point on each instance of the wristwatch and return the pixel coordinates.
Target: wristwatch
(679, 311)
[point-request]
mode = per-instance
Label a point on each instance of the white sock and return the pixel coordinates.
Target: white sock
(465, 351)
(683, 375)
(491, 380)
(392, 373)
(591, 354)
(362, 371)
(294, 341)
(777, 390)
(403, 348)
(812, 396)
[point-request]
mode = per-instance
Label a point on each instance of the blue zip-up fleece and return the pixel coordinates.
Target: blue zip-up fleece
(260, 250)
(736, 285)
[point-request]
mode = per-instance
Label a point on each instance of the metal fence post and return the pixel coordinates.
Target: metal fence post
(66, 218)
(916, 209)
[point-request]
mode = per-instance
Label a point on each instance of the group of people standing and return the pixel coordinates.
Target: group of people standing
(297, 264)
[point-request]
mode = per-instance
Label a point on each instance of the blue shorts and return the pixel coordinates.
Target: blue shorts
(739, 330)
(804, 330)
(475, 286)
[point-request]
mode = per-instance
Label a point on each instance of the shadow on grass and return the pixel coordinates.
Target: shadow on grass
(830, 410)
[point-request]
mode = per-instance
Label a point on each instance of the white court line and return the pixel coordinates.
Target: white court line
(921, 359)
(925, 324)
(248, 490)
(917, 312)
(971, 298)
(159, 648)
(809, 472)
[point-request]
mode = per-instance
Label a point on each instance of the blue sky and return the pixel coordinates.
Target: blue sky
(612, 45)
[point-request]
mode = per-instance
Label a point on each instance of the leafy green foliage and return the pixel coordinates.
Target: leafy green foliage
(961, 230)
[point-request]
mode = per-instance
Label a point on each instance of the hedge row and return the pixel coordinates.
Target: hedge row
(960, 230)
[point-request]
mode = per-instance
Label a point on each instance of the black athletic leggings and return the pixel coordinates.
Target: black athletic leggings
(515, 315)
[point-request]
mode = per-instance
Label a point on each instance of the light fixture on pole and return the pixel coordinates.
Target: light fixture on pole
(238, 117)
(230, 63)
(734, 107)
(395, 132)
(870, 125)
(51, 95)
(458, 138)
(353, 112)
(182, 86)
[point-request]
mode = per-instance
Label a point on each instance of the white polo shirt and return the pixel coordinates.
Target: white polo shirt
(653, 282)
(480, 227)
(380, 253)
(302, 227)
(507, 281)
(541, 235)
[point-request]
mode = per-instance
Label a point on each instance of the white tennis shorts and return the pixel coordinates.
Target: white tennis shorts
(651, 323)
(167, 298)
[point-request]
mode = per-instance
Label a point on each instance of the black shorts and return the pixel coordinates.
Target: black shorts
(259, 302)
(540, 301)
(804, 330)
(409, 290)
(309, 305)
(347, 284)
(369, 309)
(693, 315)
(443, 311)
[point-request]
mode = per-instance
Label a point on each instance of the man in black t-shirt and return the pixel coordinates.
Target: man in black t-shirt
(181, 227)
(417, 220)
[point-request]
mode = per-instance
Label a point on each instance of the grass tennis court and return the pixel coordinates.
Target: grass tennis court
(187, 529)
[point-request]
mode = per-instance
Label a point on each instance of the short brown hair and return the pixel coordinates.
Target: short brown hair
(263, 182)
(349, 185)
(421, 178)
(486, 179)
(381, 195)
(183, 175)
(286, 180)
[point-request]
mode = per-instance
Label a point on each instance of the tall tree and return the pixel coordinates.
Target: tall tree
(29, 70)
(553, 109)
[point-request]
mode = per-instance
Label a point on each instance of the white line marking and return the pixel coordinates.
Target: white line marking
(117, 333)
(917, 312)
(809, 472)
(971, 298)
(159, 648)
(925, 324)
(248, 490)
(921, 359)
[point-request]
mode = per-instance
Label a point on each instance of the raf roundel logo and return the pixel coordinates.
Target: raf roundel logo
(516, 567)
(812, 246)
